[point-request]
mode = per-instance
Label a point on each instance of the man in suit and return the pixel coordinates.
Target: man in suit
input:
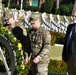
(69, 49)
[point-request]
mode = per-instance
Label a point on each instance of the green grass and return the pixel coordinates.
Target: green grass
(56, 52)
(0, 20)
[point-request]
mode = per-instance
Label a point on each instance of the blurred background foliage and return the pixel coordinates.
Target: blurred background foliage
(49, 6)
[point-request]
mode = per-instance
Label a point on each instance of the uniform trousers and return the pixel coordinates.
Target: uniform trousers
(39, 69)
(71, 66)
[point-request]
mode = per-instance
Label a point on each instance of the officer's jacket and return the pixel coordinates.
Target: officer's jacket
(72, 46)
(40, 42)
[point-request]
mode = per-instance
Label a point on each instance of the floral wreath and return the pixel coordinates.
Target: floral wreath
(20, 66)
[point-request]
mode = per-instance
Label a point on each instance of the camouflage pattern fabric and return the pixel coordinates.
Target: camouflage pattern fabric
(40, 45)
(7, 14)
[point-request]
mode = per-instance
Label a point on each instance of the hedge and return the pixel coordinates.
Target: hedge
(57, 67)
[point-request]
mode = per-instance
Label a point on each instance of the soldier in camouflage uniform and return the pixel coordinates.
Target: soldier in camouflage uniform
(40, 39)
(17, 29)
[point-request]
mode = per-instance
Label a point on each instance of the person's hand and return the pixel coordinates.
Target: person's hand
(26, 60)
(36, 60)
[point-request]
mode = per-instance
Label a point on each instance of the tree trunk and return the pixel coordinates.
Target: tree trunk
(57, 4)
(21, 5)
(40, 2)
(74, 8)
(0, 8)
(8, 3)
(1, 12)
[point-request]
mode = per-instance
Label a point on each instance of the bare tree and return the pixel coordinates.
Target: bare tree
(30, 2)
(21, 5)
(1, 12)
(57, 4)
(8, 3)
(0, 8)
(74, 8)
(40, 2)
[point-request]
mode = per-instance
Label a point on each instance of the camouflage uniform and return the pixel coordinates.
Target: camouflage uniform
(40, 45)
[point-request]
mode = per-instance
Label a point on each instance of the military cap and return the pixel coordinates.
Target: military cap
(7, 14)
(34, 17)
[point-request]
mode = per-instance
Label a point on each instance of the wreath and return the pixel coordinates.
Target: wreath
(17, 49)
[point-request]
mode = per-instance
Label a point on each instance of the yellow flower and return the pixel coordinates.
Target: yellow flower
(21, 52)
(6, 29)
(3, 28)
(15, 39)
(19, 45)
(23, 66)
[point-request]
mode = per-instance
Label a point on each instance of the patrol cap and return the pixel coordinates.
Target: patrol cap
(7, 14)
(34, 17)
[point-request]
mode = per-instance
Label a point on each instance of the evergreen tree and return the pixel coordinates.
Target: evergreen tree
(47, 6)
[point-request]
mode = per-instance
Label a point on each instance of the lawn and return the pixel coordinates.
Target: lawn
(56, 52)
(0, 20)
